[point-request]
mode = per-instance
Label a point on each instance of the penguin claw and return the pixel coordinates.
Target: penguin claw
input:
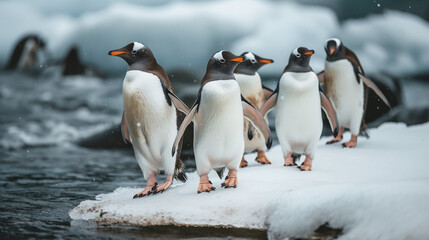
(135, 196)
(230, 183)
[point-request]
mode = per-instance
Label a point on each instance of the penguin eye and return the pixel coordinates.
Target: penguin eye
(134, 51)
(298, 55)
(253, 61)
(222, 60)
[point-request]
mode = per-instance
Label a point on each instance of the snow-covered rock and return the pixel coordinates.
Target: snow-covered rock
(379, 190)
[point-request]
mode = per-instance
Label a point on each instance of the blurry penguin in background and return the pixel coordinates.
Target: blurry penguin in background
(298, 101)
(26, 54)
(346, 84)
(253, 91)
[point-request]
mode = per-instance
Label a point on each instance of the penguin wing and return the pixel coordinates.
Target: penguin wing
(267, 92)
(124, 130)
(255, 117)
(330, 112)
(321, 77)
(179, 104)
(269, 104)
(182, 128)
(374, 87)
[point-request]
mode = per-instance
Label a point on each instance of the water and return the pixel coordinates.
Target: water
(44, 175)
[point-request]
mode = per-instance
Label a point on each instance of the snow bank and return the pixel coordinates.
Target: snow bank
(184, 34)
(375, 191)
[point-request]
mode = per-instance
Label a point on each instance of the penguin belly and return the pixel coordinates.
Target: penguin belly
(218, 126)
(298, 113)
(251, 89)
(151, 121)
(346, 93)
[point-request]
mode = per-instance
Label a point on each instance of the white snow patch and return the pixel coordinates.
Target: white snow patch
(375, 191)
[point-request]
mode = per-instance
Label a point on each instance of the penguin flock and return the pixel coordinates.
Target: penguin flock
(230, 113)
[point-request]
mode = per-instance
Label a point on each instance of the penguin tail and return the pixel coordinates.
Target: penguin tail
(179, 171)
(220, 171)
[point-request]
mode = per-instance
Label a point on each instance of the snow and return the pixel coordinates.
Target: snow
(184, 34)
(375, 191)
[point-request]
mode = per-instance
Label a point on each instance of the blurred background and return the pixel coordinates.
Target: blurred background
(61, 100)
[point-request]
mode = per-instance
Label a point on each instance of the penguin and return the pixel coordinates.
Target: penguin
(25, 55)
(218, 122)
(253, 91)
(150, 119)
(346, 84)
(299, 100)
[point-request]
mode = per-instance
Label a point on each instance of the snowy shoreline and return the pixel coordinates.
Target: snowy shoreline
(376, 191)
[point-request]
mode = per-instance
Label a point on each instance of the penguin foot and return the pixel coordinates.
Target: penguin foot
(350, 144)
(205, 187)
(306, 165)
(231, 182)
(205, 184)
(243, 162)
(146, 191)
(334, 140)
(262, 158)
(162, 187)
(289, 162)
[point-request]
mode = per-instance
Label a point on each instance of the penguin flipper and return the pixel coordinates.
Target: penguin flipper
(267, 92)
(321, 77)
(269, 104)
(255, 117)
(182, 128)
(124, 130)
(179, 104)
(374, 87)
(330, 112)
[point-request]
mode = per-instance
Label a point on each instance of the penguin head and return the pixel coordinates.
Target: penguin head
(299, 60)
(251, 64)
(224, 61)
(134, 52)
(334, 49)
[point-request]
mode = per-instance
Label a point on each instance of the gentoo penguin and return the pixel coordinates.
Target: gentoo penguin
(218, 122)
(298, 114)
(150, 119)
(346, 85)
(25, 55)
(253, 91)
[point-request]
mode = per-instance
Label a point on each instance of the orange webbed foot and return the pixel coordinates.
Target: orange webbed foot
(205, 187)
(262, 158)
(146, 191)
(231, 180)
(243, 162)
(352, 143)
(289, 162)
(162, 187)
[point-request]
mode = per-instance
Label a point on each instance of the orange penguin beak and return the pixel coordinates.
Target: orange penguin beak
(116, 52)
(331, 51)
(266, 61)
(239, 59)
(311, 52)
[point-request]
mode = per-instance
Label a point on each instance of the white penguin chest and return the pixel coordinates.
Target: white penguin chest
(343, 89)
(219, 121)
(298, 114)
(250, 85)
(146, 109)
